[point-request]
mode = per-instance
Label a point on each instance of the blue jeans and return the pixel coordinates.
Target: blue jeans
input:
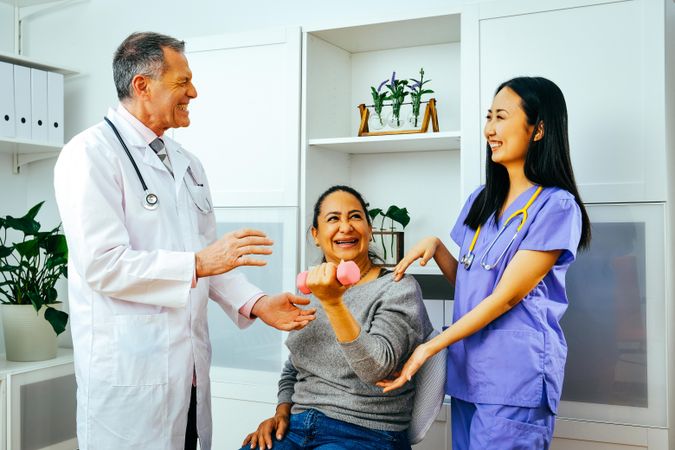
(311, 430)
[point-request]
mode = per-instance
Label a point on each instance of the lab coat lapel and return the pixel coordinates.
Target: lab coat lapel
(179, 161)
(134, 141)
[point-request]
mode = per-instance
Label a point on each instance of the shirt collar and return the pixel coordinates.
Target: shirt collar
(146, 133)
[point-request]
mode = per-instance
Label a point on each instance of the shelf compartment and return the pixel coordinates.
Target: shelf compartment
(36, 64)
(444, 140)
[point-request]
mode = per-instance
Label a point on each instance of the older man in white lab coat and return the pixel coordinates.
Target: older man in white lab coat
(144, 260)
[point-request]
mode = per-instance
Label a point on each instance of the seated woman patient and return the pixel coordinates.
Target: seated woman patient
(327, 395)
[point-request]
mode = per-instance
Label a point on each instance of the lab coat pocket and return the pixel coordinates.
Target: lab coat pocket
(200, 197)
(507, 366)
(141, 350)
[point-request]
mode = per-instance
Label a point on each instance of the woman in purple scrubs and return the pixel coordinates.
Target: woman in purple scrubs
(517, 235)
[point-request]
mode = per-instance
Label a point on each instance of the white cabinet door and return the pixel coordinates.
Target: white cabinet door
(258, 347)
(608, 60)
(41, 408)
(245, 120)
(247, 363)
(616, 322)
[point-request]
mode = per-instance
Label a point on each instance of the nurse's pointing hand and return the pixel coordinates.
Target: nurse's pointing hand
(410, 368)
(281, 311)
(231, 251)
(424, 250)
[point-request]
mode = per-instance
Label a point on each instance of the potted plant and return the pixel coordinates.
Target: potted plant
(29, 268)
(416, 92)
(390, 238)
(397, 96)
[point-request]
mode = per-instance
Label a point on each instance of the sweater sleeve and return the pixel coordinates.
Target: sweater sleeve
(289, 376)
(399, 322)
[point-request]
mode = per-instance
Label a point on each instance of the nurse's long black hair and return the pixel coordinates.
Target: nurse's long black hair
(547, 162)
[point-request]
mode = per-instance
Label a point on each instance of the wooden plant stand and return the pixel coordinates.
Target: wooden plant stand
(429, 115)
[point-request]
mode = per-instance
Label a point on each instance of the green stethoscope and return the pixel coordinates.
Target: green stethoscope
(468, 257)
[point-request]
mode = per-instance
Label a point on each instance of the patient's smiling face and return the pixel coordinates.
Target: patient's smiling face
(343, 231)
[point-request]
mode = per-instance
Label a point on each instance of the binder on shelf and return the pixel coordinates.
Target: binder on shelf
(55, 107)
(7, 118)
(22, 102)
(38, 102)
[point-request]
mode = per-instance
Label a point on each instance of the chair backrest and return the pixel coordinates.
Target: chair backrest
(429, 394)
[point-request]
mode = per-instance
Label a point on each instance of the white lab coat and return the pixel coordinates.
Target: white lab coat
(138, 327)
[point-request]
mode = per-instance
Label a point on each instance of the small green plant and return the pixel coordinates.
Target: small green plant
(378, 100)
(394, 214)
(416, 92)
(31, 267)
(397, 96)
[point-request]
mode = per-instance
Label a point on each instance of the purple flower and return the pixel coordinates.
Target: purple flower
(393, 78)
(414, 87)
(380, 86)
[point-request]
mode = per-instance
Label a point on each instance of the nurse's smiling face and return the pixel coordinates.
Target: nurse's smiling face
(343, 231)
(170, 94)
(506, 129)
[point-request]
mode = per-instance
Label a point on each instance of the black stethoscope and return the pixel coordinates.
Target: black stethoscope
(151, 200)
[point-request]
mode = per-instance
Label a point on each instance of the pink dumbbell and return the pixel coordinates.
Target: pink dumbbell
(348, 273)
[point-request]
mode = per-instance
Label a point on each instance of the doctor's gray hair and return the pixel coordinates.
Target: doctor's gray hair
(141, 54)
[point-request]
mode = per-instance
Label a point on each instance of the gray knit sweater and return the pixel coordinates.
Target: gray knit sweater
(338, 378)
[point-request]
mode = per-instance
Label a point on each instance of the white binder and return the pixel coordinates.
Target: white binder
(55, 107)
(7, 120)
(38, 102)
(22, 102)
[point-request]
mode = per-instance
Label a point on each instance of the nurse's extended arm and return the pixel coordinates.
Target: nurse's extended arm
(424, 250)
(523, 273)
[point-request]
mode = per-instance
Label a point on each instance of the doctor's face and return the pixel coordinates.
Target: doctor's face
(170, 94)
(342, 231)
(506, 129)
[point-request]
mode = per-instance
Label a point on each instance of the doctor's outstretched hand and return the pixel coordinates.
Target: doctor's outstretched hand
(281, 311)
(421, 354)
(231, 251)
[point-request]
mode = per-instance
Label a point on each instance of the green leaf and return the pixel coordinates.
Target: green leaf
(373, 213)
(32, 213)
(399, 215)
(57, 319)
(56, 245)
(26, 225)
(5, 251)
(28, 249)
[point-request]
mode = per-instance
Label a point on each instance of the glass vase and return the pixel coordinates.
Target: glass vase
(376, 121)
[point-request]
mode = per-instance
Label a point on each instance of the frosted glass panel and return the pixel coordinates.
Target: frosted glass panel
(606, 289)
(258, 347)
(616, 324)
(47, 412)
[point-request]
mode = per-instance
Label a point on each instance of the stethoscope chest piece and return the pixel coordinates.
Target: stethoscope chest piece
(467, 260)
(151, 201)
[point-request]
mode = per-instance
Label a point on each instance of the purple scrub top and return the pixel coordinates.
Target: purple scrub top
(513, 359)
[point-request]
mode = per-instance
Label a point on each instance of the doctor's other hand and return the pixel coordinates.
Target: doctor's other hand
(232, 251)
(262, 437)
(281, 311)
(410, 368)
(423, 250)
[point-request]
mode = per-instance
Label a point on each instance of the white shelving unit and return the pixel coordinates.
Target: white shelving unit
(445, 140)
(27, 151)
(30, 393)
(419, 171)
